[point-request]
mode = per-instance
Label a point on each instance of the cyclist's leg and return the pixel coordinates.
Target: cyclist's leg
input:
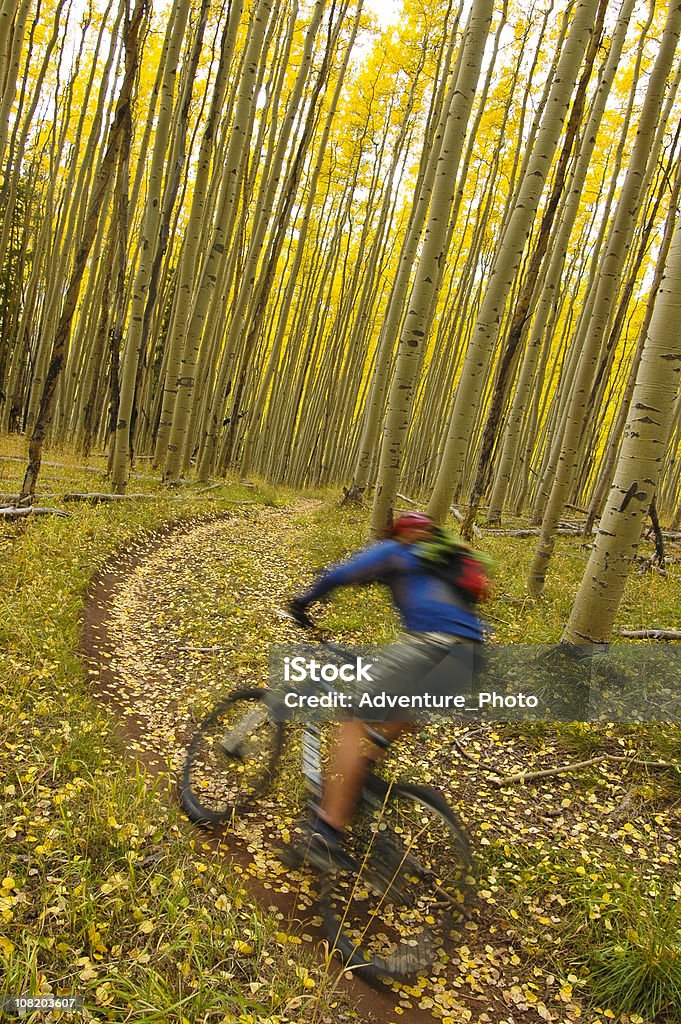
(402, 665)
(355, 751)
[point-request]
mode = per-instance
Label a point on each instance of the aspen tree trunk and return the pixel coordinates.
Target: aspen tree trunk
(75, 193)
(603, 377)
(19, 382)
(631, 271)
(193, 317)
(78, 347)
(11, 44)
(610, 460)
(638, 468)
(479, 354)
(375, 405)
(63, 333)
(120, 233)
(176, 164)
(279, 228)
(463, 176)
(553, 449)
(255, 315)
(258, 406)
(229, 268)
(87, 164)
(617, 247)
(325, 356)
(421, 302)
(86, 422)
(67, 215)
(525, 143)
(178, 383)
(253, 292)
(307, 342)
(149, 241)
(17, 151)
(456, 322)
(559, 250)
(568, 366)
(523, 305)
(7, 13)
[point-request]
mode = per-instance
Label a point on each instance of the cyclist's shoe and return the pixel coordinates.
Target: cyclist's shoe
(318, 846)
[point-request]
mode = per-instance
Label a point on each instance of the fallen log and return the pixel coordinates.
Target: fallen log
(506, 780)
(96, 497)
(650, 634)
(15, 512)
(58, 465)
(16, 499)
(530, 531)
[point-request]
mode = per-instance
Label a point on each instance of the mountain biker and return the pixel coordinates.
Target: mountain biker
(435, 618)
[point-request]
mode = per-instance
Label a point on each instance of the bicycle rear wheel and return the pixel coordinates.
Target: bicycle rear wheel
(411, 888)
(231, 758)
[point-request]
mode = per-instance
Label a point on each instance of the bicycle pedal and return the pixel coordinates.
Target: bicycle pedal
(291, 855)
(316, 852)
(233, 750)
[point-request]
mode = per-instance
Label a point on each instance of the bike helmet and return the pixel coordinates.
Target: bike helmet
(411, 521)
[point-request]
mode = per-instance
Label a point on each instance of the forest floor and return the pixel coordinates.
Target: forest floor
(105, 891)
(555, 857)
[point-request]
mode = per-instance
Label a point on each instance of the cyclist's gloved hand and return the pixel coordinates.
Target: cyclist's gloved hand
(300, 616)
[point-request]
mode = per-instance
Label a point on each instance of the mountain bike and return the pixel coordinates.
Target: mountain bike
(413, 879)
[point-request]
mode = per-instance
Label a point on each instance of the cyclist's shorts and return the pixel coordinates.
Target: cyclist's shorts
(423, 676)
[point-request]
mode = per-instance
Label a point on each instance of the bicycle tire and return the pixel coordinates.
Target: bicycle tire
(388, 919)
(231, 758)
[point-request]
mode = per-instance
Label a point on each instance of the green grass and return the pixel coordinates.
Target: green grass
(104, 892)
(621, 949)
(621, 936)
(639, 967)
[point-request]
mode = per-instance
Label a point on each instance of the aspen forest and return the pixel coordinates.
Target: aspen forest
(273, 272)
(437, 258)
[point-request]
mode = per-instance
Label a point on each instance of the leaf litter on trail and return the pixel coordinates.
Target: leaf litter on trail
(195, 619)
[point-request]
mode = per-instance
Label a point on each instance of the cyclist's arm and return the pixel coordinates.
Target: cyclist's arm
(371, 565)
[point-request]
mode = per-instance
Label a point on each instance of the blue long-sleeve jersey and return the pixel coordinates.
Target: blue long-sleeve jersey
(425, 602)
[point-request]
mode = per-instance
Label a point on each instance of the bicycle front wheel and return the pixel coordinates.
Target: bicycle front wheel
(411, 887)
(231, 758)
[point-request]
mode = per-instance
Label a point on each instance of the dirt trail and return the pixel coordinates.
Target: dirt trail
(186, 617)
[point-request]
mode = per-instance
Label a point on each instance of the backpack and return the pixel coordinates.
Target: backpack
(446, 556)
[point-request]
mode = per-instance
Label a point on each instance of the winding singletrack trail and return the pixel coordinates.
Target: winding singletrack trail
(185, 617)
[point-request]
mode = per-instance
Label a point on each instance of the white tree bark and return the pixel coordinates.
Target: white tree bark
(150, 233)
(638, 469)
(476, 365)
(419, 315)
(616, 250)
